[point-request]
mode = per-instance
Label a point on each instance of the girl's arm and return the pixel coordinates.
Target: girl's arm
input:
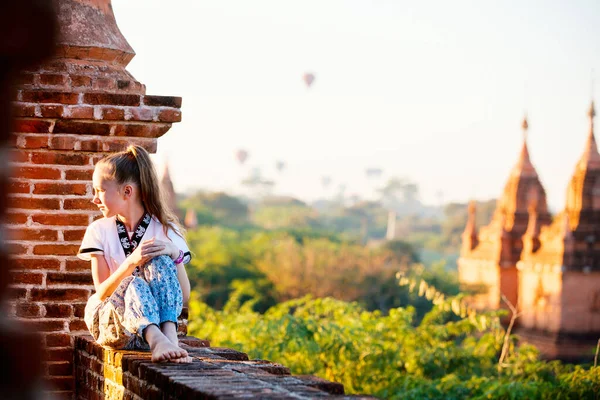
(105, 282)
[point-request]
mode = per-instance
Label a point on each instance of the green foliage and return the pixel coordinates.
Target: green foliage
(444, 357)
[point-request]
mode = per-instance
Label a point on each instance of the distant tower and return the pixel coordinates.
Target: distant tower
(488, 258)
(559, 282)
(166, 185)
(391, 226)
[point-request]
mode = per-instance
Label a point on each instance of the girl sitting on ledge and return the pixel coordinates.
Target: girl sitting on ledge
(137, 255)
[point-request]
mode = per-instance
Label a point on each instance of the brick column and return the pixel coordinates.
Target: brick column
(70, 111)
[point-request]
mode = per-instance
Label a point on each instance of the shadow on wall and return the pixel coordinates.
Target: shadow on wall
(27, 36)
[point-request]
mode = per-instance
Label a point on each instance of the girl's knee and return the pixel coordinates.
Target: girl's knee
(160, 263)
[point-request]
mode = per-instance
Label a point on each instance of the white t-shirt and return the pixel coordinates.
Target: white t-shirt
(101, 237)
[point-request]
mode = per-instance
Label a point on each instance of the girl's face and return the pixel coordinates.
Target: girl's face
(108, 195)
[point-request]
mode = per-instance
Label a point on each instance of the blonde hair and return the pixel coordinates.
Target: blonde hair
(135, 166)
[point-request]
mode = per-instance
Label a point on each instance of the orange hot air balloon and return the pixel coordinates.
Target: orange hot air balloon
(241, 155)
(308, 78)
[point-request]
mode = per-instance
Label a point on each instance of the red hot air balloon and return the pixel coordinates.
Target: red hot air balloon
(241, 155)
(308, 78)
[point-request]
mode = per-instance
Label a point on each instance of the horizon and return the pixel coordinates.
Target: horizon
(432, 92)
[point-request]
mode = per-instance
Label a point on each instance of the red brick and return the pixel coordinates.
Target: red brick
(169, 115)
(55, 65)
(33, 142)
(23, 110)
(91, 145)
(19, 156)
(36, 173)
(49, 97)
(52, 111)
(104, 84)
(69, 278)
(79, 204)
(73, 235)
(58, 310)
(61, 382)
(56, 249)
(77, 325)
(80, 80)
(162, 101)
(59, 158)
(33, 234)
(142, 114)
(79, 174)
(18, 187)
(44, 325)
(60, 368)
(35, 263)
(59, 294)
(33, 204)
(28, 310)
(24, 79)
(82, 128)
(112, 99)
(80, 112)
(14, 248)
(58, 340)
(77, 265)
(142, 130)
(123, 84)
(60, 188)
(112, 113)
(16, 218)
(31, 126)
(53, 79)
(63, 142)
(28, 278)
(61, 219)
(79, 310)
(58, 354)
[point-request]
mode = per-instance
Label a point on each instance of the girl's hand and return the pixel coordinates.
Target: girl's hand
(151, 248)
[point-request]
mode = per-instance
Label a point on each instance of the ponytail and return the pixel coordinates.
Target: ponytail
(135, 166)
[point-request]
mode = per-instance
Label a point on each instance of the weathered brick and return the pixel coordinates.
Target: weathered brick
(79, 112)
(112, 113)
(162, 101)
(58, 340)
(79, 310)
(106, 84)
(73, 235)
(77, 265)
(60, 188)
(69, 278)
(79, 174)
(141, 114)
(33, 142)
(80, 80)
(19, 156)
(82, 128)
(42, 96)
(36, 173)
(169, 115)
(19, 187)
(44, 325)
(58, 310)
(60, 368)
(112, 99)
(142, 130)
(80, 204)
(16, 218)
(15, 248)
(56, 249)
(24, 79)
(60, 142)
(52, 111)
(59, 294)
(35, 263)
(91, 145)
(61, 219)
(53, 79)
(28, 310)
(59, 158)
(32, 126)
(59, 354)
(23, 110)
(77, 325)
(33, 204)
(28, 278)
(32, 234)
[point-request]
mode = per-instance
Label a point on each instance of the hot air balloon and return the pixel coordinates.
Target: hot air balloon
(280, 165)
(241, 155)
(308, 78)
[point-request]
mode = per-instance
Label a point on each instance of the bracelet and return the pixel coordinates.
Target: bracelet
(180, 258)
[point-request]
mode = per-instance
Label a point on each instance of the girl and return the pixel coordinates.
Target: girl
(137, 256)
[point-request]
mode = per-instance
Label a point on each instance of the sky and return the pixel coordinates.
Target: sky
(431, 91)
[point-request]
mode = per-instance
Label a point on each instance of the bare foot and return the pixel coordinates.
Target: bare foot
(164, 350)
(183, 360)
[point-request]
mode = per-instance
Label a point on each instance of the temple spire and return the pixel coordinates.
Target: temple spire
(469, 236)
(524, 165)
(590, 158)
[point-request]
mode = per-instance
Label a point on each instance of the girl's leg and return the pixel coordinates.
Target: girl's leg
(161, 275)
(141, 317)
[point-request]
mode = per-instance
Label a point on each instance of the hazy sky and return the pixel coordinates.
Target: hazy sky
(430, 90)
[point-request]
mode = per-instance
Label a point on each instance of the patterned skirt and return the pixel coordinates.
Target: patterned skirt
(152, 295)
